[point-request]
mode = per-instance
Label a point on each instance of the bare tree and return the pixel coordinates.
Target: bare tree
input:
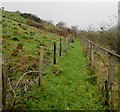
(61, 24)
(74, 30)
(103, 26)
(91, 28)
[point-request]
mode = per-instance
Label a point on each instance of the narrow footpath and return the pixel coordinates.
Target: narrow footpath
(72, 89)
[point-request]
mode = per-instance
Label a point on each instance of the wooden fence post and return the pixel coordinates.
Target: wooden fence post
(85, 46)
(54, 56)
(88, 49)
(0, 82)
(4, 81)
(60, 53)
(118, 84)
(110, 71)
(67, 42)
(108, 84)
(91, 54)
(106, 94)
(69, 38)
(84, 42)
(40, 65)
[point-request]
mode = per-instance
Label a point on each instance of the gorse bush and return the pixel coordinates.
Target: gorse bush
(31, 17)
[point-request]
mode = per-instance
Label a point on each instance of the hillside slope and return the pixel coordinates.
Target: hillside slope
(21, 41)
(72, 88)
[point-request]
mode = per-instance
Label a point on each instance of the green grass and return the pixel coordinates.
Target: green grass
(17, 18)
(30, 37)
(69, 90)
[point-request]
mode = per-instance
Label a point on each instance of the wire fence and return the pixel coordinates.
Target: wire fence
(106, 65)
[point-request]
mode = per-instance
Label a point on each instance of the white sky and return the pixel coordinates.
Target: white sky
(81, 13)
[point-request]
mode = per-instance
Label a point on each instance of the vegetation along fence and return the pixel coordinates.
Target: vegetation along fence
(105, 64)
(26, 70)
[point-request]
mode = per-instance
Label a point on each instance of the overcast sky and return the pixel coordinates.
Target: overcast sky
(82, 14)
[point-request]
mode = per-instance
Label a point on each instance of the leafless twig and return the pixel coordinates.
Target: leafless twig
(23, 76)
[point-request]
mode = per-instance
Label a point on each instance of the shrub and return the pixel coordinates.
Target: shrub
(31, 17)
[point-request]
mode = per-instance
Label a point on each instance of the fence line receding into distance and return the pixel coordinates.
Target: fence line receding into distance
(90, 48)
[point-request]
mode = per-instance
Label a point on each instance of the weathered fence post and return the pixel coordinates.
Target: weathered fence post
(0, 82)
(91, 54)
(60, 53)
(108, 84)
(54, 56)
(106, 94)
(4, 81)
(84, 43)
(88, 49)
(110, 72)
(66, 42)
(85, 46)
(40, 65)
(70, 38)
(119, 82)
(118, 54)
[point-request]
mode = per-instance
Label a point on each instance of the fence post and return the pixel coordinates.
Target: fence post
(91, 54)
(66, 42)
(60, 47)
(85, 45)
(88, 49)
(84, 42)
(106, 94)
(4, 81)
(40, 65)
(119, 83)
(108, 84)
(0, 82)
(110, 72)
(54, 56)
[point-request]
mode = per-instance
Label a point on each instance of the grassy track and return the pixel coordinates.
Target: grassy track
(69, 90)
